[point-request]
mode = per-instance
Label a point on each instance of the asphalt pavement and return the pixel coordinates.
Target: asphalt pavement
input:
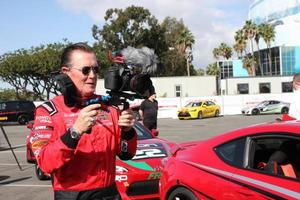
(16, 184)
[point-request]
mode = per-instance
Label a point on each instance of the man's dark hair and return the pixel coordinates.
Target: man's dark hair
(65, 57)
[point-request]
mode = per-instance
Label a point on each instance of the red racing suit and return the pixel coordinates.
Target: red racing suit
(84, 164)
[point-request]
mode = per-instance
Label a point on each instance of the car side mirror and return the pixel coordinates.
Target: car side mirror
(154, 132)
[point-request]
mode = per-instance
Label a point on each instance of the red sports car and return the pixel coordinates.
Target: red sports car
(137, 178)
(256, 162)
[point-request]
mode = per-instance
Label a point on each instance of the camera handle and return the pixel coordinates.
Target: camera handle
(10, 147)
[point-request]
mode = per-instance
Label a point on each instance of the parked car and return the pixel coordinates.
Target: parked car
(267, 107)
(256, 162)
(199, 110)
(137, 178)
(17, 111)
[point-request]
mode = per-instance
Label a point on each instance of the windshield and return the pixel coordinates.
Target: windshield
(264, 103)
(193, 104)
(142, 132)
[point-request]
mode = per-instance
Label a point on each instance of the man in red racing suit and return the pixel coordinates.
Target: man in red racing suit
(78, 145)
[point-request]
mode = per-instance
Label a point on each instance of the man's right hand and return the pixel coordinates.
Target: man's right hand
(86, 119)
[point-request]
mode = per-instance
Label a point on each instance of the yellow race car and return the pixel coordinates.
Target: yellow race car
(199, 109)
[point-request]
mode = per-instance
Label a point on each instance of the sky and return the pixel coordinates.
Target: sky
(35, 22)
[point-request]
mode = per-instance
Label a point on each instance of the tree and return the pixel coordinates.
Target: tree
(29, 71)
(249, 63)
(257, 38)
(240, 42)
(184, 43)
(212, 69)
(268, 35)
(200, 72)
(134, 26)
(250, 31)
(172, 60)
(223, 50)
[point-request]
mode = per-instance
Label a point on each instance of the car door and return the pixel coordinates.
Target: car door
(257, 181)
(272, 107)
(205, 109)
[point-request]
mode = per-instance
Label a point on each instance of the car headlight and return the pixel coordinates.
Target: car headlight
(121, 169)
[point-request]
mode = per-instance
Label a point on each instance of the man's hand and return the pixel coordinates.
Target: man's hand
(126, 120)
(86, 119)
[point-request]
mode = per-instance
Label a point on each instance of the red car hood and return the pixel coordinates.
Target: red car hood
(149, 154)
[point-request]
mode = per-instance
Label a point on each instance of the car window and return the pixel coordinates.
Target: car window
(11, 106)
(276, 155)
(27, 105)
(232, 152)
(2, 106)
(212, 103)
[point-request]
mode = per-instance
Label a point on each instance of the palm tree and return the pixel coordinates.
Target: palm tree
(212, 69)
(184, 44)
(249, 63)
(250, 31)
(257, 38)
(268, 35)
(240, 42)
(216, 53)
(225, 50)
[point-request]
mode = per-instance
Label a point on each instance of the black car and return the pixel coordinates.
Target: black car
(17, 111)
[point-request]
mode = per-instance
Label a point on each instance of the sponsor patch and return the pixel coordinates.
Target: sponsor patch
(37, 128)
(121, 178)
(44, 119)
(154, 175)
(38, 136)
(39, 144)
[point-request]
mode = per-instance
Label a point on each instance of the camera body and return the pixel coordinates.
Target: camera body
(125, 77)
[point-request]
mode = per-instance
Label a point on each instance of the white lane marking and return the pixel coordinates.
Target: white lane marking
(8, 151)
(20, 185)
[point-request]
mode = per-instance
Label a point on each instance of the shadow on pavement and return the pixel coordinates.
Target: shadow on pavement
(15, 180)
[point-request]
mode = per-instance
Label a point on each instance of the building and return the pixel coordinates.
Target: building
(284, 15)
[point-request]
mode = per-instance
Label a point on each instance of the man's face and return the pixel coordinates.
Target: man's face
(85, 84)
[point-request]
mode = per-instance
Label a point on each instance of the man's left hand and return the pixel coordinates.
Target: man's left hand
(126, 120)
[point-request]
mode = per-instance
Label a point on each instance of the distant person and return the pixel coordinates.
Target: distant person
(148, 111)
(294, 111)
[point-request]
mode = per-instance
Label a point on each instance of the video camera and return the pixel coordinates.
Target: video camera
(129, 77)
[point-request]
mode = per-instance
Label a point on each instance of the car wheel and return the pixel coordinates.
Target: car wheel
(255, 112)
(217, 113)
(40, 174)
(200, 115)
(23, 119)
(284, 110)
(182, 194)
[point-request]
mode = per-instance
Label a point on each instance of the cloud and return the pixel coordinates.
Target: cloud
(211, 22)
